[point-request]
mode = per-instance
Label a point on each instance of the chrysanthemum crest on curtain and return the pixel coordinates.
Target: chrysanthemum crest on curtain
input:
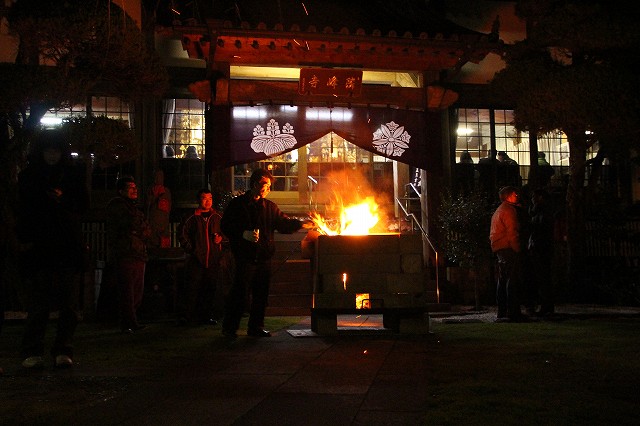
(272, 141)
(391, 139)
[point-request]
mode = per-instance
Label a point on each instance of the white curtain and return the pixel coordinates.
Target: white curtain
(169, 114)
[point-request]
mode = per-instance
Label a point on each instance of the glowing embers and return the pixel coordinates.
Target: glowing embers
(363, 301)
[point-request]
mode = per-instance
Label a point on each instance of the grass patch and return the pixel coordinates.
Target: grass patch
(569, 373)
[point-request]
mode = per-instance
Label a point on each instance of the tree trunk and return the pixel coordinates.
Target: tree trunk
(575, 212)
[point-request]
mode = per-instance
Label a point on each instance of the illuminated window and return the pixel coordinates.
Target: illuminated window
(115, 108)
(112, 108)
(183, 143)
(100, 106)
(333, 153)
(473, 134)
(328, 154)
(183, 129)
(284, 169)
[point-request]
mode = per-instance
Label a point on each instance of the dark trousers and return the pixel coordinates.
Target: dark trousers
(542, 262)
(509, 279)
(130, 273)
(529, 292)
(49, 289)
(253, 277)
(198, 292)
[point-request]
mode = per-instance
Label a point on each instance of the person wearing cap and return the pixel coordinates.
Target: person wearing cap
(52, 200)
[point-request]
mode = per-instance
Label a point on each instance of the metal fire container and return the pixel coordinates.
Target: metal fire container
(387, 268)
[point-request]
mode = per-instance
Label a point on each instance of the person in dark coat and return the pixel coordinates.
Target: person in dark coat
(52, 200)
(508, 171)
(465, 174)
(127, 234)
(487, 167)
(158, 208)
(249, 222)
(545, 171)
(541, 249)
(201, 238)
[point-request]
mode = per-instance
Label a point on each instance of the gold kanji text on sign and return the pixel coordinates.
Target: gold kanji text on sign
(328, 81)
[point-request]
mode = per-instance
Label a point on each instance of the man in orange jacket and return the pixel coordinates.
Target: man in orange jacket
(505, 243)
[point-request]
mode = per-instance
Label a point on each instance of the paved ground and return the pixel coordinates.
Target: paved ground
(364, 377)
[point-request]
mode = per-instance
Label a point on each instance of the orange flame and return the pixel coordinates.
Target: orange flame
(355, 219)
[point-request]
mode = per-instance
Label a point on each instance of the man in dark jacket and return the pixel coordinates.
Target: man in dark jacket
(127, 234)
(249, 221)
(52, 201)
(200, 237)
(541, 248)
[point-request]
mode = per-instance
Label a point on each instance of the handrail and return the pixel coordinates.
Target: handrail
(416, 190)
(425, 236)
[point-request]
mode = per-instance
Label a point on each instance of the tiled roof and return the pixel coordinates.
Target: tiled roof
(401, 18)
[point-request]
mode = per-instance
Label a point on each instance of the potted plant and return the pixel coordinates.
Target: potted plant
(464, 221)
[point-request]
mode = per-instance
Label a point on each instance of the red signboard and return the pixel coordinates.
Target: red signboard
(327, 81)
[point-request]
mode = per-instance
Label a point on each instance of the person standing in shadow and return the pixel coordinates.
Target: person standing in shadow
(508, 171)
(52, 200)
(127, 234)
(541, 249)
(545, 171)
(249, 221)
(465, 173)
(487, 170)
(505, 244)
(201, 238)
(158, 208)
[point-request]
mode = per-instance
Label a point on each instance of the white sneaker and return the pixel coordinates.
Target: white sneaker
(63, 361)
(33, 362)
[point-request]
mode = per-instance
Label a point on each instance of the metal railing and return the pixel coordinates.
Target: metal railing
(425, 237)
(95, 237)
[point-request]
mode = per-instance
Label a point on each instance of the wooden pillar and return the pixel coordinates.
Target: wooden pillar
(219, 75)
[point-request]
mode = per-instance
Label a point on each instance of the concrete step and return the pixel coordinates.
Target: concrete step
(291, 300)
(293, 276)
(291, 287)
(297, 266)
(290, 292)
(280, 311)
(438, 307)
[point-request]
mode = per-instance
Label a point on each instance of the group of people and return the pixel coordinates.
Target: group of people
(522, 240)
(498, 172)
(53, 199)
(248, 224)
